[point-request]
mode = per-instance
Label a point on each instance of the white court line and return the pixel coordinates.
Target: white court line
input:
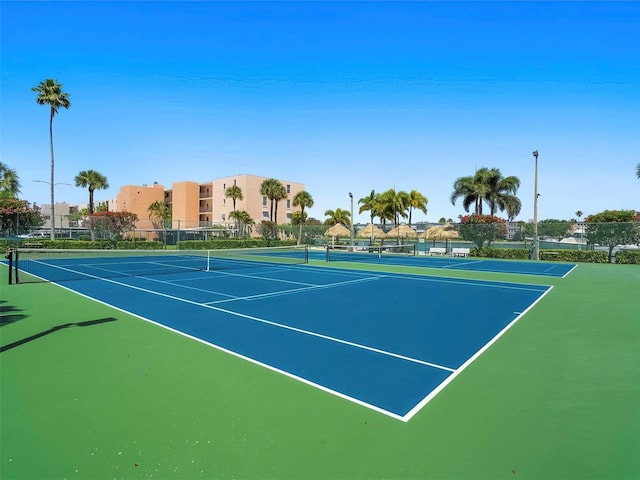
(243, 357)
(464, 263)
(572, 269)
(295, 290)
(460, 369)
(269, 322)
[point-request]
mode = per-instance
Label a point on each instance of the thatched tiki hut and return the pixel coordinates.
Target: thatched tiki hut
(338, 230)
(371, 232)
(402, 232)
(444, 232)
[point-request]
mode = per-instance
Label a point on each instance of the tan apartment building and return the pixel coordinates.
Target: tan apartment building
(137, 199)
(196, 205)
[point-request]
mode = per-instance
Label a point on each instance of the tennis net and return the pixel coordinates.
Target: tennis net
(54, 265)
(359, 253)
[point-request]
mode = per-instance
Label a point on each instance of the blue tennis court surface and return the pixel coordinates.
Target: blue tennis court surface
(549, 269)
(389, 342)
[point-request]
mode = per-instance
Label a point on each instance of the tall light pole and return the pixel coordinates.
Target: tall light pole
(351, 223)
(53, 211)
(536, 240)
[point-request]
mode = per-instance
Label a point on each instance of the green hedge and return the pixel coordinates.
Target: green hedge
(589, 256)
(96, 245)
(232, 243)
(559, 255)
(512, 253)
(628, 256)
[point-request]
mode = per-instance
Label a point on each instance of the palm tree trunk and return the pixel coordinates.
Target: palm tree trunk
(52, 184)
(301, 222)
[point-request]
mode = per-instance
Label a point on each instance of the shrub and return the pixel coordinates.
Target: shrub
(511, 253)
(628, 256)
(561, 255)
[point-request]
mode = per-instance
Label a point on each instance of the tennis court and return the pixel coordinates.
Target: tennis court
(317, 372)
(392, 356)
(410, 258)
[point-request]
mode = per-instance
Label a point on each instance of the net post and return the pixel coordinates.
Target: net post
(327, 254)
(9, 257)
(16, 258)
(415, 250)
(380, 251)
(208, 261)
(306, 254)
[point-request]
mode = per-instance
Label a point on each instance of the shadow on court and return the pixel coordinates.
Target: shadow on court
(87, 323)
(8, 314)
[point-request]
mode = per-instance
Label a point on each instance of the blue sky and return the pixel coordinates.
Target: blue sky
(340, 96)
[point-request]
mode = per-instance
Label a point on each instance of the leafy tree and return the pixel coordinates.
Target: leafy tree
(9, 183)
(159, 214)
(579, 214)
(482, 228)
(50, 93)
(18, 216)
(553, 228)
(638, 170)
(110, 225)
(93, 181)
(338, 216)
(303, 200)
(268, 230)
(417, 201)
(612, 228)
(244, 221)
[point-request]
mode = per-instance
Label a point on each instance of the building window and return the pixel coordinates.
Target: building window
(224, 186)
(288, 203)
(288, 216)
(264, 201)
(288, 188)
(265, 214)
(223, 216)
(224, 201)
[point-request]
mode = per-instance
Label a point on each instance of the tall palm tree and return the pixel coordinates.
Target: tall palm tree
(417, 201)
(638, 170)
(501, 193)
(472, 190)
(394, 205)
(338, 216)
(488, 185)
(272, 189)
(303, 200)
(234, 192)
(369, 203)
(279, 193)
(9, 183)
(50, 93)
(94, 181)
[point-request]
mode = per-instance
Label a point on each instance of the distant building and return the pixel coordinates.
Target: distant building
(196, 205)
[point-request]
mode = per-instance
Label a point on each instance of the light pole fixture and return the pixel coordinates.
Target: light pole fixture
(351, 222)
(536, 240)
(53, 211)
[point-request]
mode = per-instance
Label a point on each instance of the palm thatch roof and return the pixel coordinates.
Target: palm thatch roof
(366, 232)
(401, 231)
(338, 230)
(441, 232)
